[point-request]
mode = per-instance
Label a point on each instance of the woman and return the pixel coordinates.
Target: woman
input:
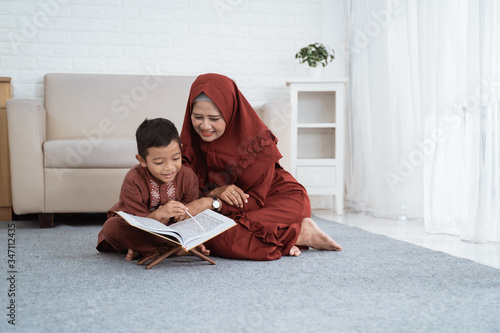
(236, 159)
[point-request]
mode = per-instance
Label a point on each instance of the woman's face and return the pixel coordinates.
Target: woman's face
(207, 121)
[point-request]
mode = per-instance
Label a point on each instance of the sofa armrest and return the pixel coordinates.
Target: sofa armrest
(26, 119)
(277, 115)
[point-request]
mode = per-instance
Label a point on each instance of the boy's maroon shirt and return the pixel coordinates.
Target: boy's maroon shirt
(135, 194)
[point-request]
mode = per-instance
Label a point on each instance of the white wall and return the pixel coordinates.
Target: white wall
(252, 41)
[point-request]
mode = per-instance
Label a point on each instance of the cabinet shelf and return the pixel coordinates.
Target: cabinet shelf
(324, 190)
(317, 125)
(316, 162)
(316, 142)
(317, 136)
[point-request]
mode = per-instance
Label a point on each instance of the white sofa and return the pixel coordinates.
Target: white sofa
(71, 154)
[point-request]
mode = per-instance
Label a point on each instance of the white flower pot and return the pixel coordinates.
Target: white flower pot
(314, 72)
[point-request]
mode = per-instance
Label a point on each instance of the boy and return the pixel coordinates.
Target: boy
(158, 187)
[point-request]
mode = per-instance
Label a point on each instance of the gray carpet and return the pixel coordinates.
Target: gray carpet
(376, 284)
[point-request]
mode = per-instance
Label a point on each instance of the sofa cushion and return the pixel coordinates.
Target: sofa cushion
(92, 152)
(111, 105)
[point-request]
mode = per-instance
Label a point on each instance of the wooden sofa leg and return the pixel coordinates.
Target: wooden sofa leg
(46, 220)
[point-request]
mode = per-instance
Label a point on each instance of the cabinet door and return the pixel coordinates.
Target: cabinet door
(5, 188)
(316, 176)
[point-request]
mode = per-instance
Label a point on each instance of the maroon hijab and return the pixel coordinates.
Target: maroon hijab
(245, 139)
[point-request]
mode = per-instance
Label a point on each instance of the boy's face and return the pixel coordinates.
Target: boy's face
(163, 162)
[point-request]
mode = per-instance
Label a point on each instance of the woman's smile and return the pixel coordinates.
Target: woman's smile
(207, 133)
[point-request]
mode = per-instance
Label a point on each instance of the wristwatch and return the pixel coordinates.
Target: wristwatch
(215, 204)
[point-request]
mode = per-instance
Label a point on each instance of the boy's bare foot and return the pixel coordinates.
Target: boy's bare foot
(201, 248)
(295, 252)
(311, 235)
(131, 255)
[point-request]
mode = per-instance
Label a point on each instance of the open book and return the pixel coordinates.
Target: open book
(188, 233)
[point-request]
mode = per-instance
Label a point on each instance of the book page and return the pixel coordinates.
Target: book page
(213, 223)
(190, 230)
(189, 233)
(151, 225)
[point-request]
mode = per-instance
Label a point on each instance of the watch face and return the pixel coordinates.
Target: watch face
(215, 204)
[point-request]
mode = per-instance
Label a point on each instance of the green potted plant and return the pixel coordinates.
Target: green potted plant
(314, 55)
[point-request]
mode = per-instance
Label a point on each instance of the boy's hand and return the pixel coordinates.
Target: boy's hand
(170, 209)
(195, 207)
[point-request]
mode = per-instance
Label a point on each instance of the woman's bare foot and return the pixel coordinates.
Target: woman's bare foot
(295, 251)
(131, 255)
(311, 235)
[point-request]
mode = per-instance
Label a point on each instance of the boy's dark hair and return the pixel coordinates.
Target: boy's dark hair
(158, 132)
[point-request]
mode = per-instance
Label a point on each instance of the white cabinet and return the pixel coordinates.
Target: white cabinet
(317, 136)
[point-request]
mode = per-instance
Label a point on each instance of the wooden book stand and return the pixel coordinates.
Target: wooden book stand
(161, 253)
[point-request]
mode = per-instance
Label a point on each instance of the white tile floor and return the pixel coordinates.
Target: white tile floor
(412, 231)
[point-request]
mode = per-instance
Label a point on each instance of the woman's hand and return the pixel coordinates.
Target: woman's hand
(231, 194)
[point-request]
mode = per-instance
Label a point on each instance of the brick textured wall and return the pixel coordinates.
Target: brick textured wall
(252, 41)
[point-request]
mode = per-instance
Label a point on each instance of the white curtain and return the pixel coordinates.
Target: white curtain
(424, 125)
